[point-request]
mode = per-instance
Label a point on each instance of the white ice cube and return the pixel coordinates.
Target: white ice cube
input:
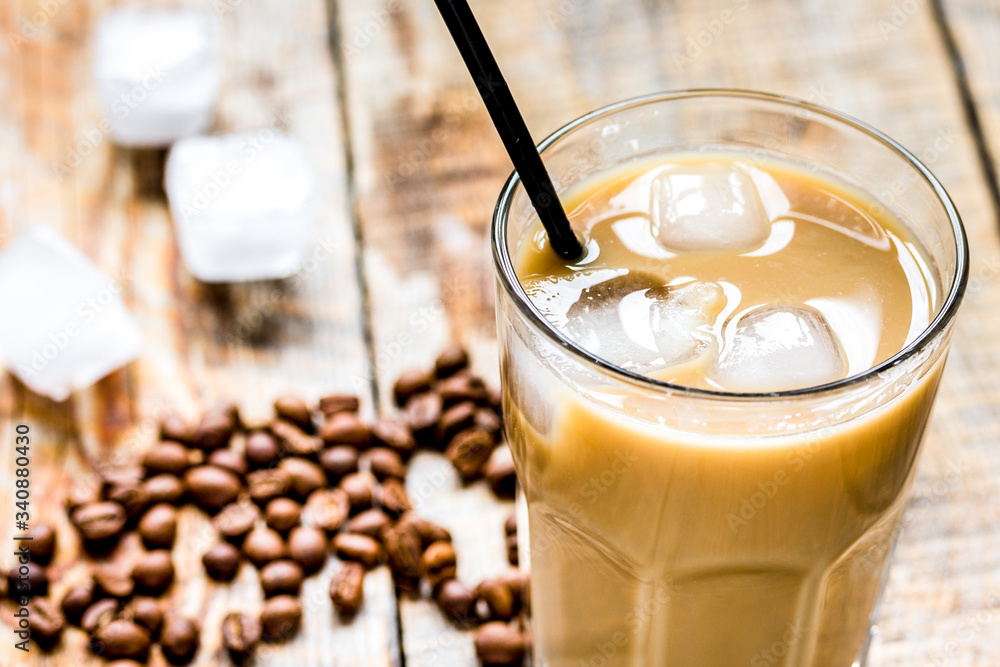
(779, 348)
(64, 325)
(714, 207)
(681, 319)
(158, 73)
(242, 204)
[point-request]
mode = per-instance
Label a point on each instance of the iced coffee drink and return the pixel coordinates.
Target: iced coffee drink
(713, 470)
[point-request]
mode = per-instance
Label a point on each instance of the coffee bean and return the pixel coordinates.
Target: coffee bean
(82, 494)
(262, 449)
(281, 577)
(131, 495)
(268, 484)
(46, 622)
(451, 360)
(385, 462)
(281, 618)
(229, 459)
(499, 644)
(99, 521)
(27, 580)
(518, 582)
(394, 435)
(222, 562)
(422, 413)
(456, 600)
(99, 614)
(440, 562)
(121, 639)
(360, 491)
(347, 590)
(404, 550)
(345, 428)
(409, 383)
(262, 546)
(393, 498)
(215, 430)
(114, 582)
(235, 520)
(173, 427)
(179, 640)
(358, 548)
(370, 523)
(487, 419)
(240, 635)
(42, 542)
(76, 600)
(282, 514)
(212, 487)
(498, 598)
(293, 409)
(510, 524)
(456, 418)
(118, 475)
(154, 572)
(468, 451)
(494, 400)
(500, 473)
(165, 488)
(513, 556)
(429, 532)
(158, 527)
(293, 440)
(307, 546)
(167, 457)
(306, 476)
(338, 461)
(145, 612)
(462, 387)
(334, 403)
(327, 509)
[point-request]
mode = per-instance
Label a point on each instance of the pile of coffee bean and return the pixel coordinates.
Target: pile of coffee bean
(282, 495)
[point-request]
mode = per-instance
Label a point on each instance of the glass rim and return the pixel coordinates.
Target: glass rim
(512, 286)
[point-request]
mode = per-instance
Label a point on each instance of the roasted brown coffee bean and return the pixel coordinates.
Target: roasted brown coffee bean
(307, 546)
(518, 582)
(281, 577)
(456, 600)
(229, 459)
(281, 618)
(494, 400)
(76, 600)
(131, 495)
(347, 589)
(393, 498)
(27, 580)
(293, 440)
(215, 430)
(46, 622)
(498, 598)
(513, 556)
(99, 614)
(306, 476)
(212, 487)
(500, 473)
(267, 484)
(179, 640)
(409, 383)
(327, 509)
(222, 562)
(165, 488)
(358, 548)
(370, 523)
(440, 562)
(334, 403)
(154, 572)
(146, 612)
(42, 542)
(429, 532)
(173, 427)
(262, 449)
(468, 451)
(121, 639)
(456, 418)
(293, 409)
(404, 550)
(451, 360)
(345, 428)
(114, 582)
(510, 525)
(498, 644)
(167, 457)
(394, 435)
(422, 413)
(385, 462)
(283, 514)
(158, 527)
(360, 490)
(338, 461)
(236, 520)
(99, 521)
(462, 387)
(487, 419)
(262, 546)
(240, 635)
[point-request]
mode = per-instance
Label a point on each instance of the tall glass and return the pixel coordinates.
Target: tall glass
(675, 526)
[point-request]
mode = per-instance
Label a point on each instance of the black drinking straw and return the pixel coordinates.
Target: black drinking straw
(510, 125)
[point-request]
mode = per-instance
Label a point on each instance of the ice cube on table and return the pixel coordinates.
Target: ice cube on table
(64, 325)
(242, 204)
(714, 207)
(682, 317)
(779, 348)
(158, 73)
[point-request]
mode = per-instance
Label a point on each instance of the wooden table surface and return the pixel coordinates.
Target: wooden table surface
(410, 168)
